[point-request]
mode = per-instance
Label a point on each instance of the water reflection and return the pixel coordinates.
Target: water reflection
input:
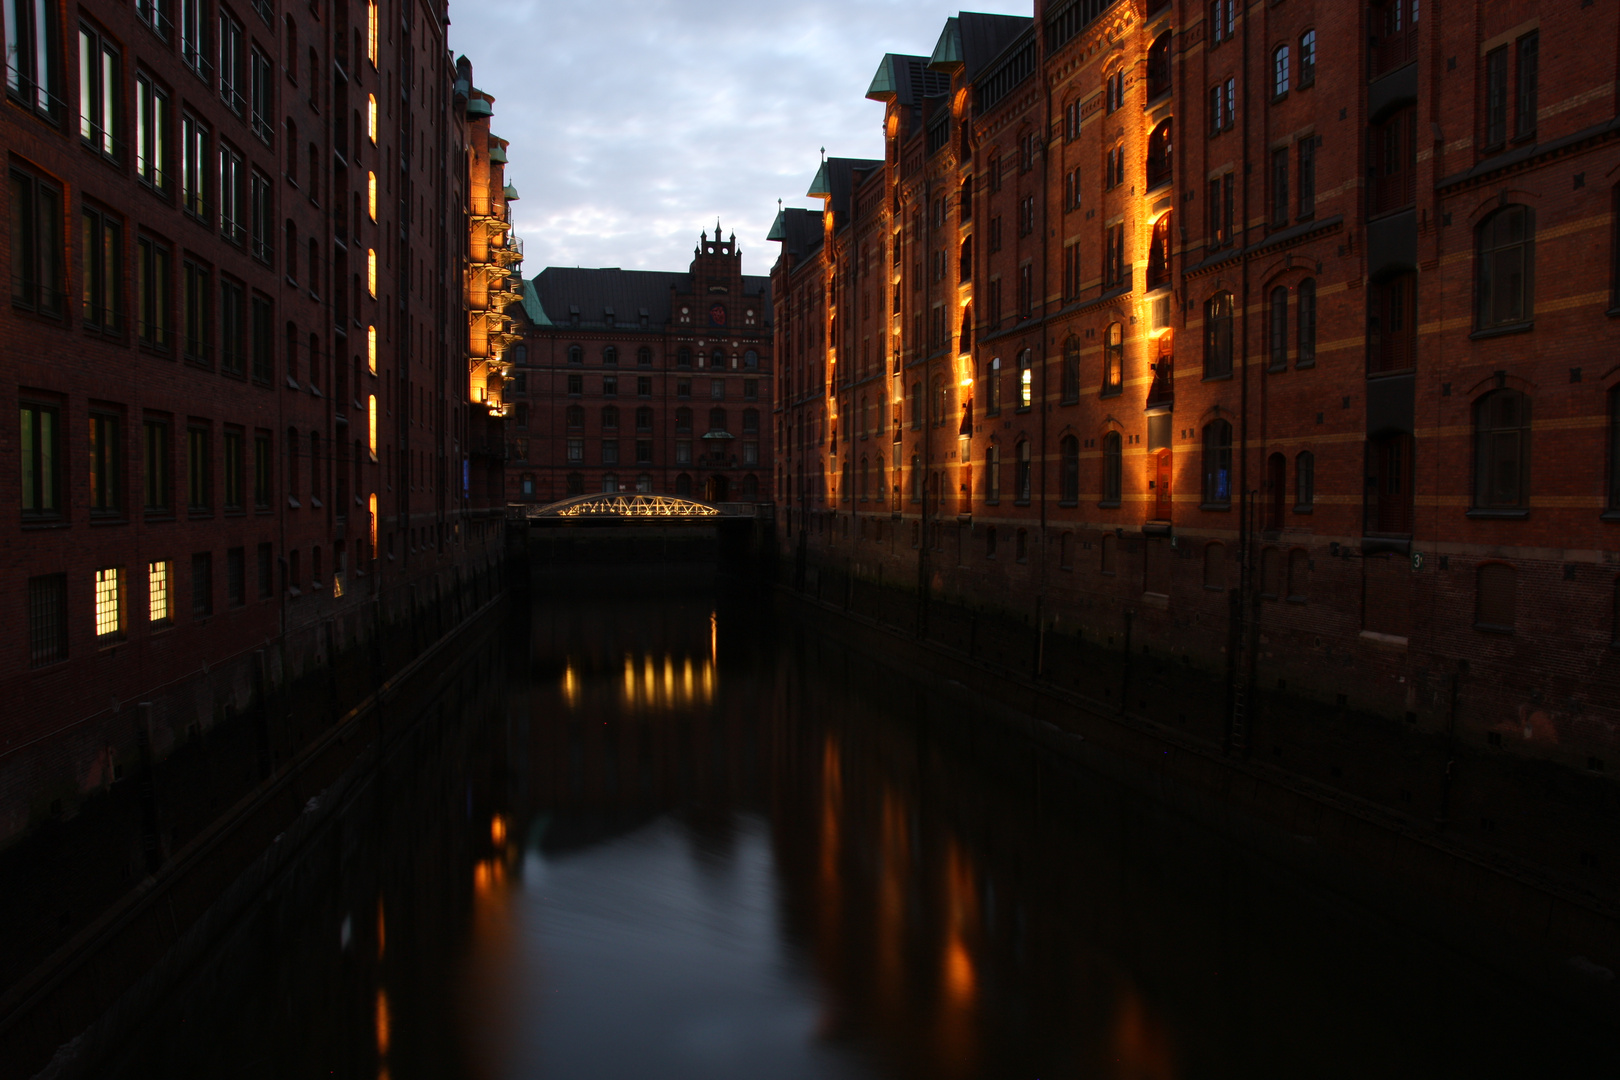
(676, 838)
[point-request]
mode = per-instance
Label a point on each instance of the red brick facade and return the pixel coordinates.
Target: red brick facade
(1285, 330)
(237, 343)
(634, 380)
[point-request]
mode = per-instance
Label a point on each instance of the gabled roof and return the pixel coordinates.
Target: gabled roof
(984, 37)
(840, 175)
(561, 290)
(906, 80)
(800, 231)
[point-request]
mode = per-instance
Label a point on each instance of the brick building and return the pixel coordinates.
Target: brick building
(237, 342)
(1220, 324)
(638, 380)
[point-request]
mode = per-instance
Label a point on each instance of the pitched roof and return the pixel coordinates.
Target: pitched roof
(799, 230)
(560, 290)
(985, 36)
(907, 80)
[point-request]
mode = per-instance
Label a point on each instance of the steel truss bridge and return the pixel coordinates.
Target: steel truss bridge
(642, 507)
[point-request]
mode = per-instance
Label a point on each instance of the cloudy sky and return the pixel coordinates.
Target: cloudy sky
(635, 123)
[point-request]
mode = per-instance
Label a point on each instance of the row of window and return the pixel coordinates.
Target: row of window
(574, 419)
(608, 452)
(749, 488)
(644, 357)
(644, 387)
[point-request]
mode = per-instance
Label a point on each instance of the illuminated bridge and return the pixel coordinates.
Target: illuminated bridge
(637, 507)
(635, 529)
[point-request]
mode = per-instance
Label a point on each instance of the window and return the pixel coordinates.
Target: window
(230, 62)
(576, 385)
(1023, 482)
(644, 451)
(1113, 469)
(1392, 162)
(261, 339)
(160, 592)
(236, 575)
(235, 468)
(1305, 316)
(1220, 211)
(100, 91)
(1496, 97)
(610, 386)
(1394, 26)
(1279, 71)
(262, 474)
(610, 356)
(1524, 99)
(992, 386)
(371, 272)
(371, 427)
(1502, 451)
(232, 327)
(1307, 176)
(202, 582)
(371, 31)
(1109, 551)
(1071, 371)
(196, 323)
(1307, 59)
(610, 417)
(1217, 464)
(109, 605)
(1392, 324)
(1494, 597)
(1221, 20)
(610, 451)
(1222, 106)
(717, 420)
(193, 34)
(198, 478)
(106, 465)
(992, 474)
(1158, 67)
(41, 438)
(371, 195)
(371, 118)
(1614, 449)
(1304, 481)
(152, 287)
(1114, 166)
(1113, 359)
(576, 451)
(151, 133)
(231, 223)
(610, 483)
(1026, 290)
(1115, 82)
(995, 233)
(1026, 379)
(683, 357)
(1506, 268)
(1071, 271)
(1276, 491)
(155, 451)
(644, 419)
(101, 239)
(47, 615)
(750, 422)
(1116, 273)
(260, 89)
(193, 165)
(1159, 247)
(1278, 314)
(1026, 215)
(1279, 188)
(717, 389)
(31, 71)
(1069, 470)
(1218, 336)
(36, 245)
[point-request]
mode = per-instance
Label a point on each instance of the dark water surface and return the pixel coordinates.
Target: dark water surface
(670, 835)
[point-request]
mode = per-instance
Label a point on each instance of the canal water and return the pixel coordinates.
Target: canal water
(664, 831)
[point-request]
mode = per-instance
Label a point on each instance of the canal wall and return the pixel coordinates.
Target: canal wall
(201, 776)
(1391, 816)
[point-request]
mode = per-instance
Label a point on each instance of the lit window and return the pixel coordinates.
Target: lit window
(109, 603)
(371, 197)
(371, 509)
(371, 271)
(371, 117)
(1026, 381)
(371, 348)
(159, 603)
(371, 32)
(371, 411)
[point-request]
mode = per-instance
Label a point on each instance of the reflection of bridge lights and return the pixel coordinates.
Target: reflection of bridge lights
(570, 686)
(497, 831)
(643, 685)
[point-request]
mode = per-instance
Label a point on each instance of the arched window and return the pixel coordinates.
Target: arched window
(683, 485)
(992, 386)
(1494, 597)
(1113, 369)
(1218, 464)
(610, 483)
(1024, 484)
(1071, 370)
(1113, 468)
(751, 359)
(1158, 267)
(644, 357)
(1215, 567)
(1279, 71)
(576, 354)
(992, 474)
(1069, 472)
(683, 358)
(644, 418)
(576, 483)
(1026, 379)
(1218, 336)
(610, 355)
(574, 417)
(1506, 268)
(1307, 58)
(1158, 66)
(1304, 481)
(1305, 318)
(1115, 81)
(610, 417)
(1299, 574)
(717, 420)
(683, 421)
(1161, 155)
(1502, 451)
(1278, 317)
(717, 359)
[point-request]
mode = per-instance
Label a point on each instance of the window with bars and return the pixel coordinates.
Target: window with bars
(47, 619)
(160, 592)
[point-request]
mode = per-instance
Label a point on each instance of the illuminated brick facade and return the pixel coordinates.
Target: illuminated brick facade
(1279, 335)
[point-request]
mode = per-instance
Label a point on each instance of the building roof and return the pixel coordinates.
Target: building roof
(907, 80)
(559, 290)
(799, 230)
(984, 37)
(840, 176)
